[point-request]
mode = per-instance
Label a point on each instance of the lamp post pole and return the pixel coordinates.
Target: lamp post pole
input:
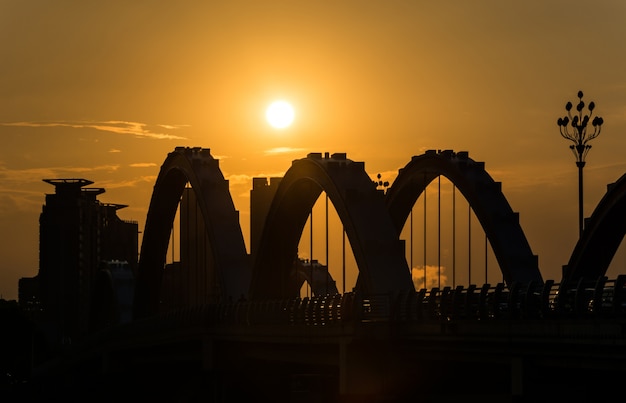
(580, 164)
(577, 133)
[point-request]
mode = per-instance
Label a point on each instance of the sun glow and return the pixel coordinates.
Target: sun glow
(280, 114)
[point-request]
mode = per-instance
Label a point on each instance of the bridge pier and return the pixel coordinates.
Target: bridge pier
(208, 363)
(362, 371)
(517, 377)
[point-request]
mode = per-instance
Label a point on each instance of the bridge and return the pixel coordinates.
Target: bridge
(254, 335)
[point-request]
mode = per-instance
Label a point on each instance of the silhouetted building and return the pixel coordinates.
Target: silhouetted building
(118, 238)
(28, 296)
(261, 197)
(77, 233)
(316, 275)
(113, 293)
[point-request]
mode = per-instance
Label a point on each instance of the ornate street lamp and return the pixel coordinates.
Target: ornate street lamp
(577, 133)
(380, 183)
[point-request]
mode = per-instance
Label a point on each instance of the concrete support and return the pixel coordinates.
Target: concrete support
(362, 372)
(343, 368)
(517, 376)
(207, 354)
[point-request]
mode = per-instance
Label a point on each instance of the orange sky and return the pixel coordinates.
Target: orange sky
(104, 90)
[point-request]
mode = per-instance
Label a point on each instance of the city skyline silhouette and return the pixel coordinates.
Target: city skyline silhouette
(277, 322)
(97, 91)
(457, 290)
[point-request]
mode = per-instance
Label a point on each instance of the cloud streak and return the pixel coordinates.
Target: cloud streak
(37, 174)
(112, 126)
(17, 186)
(143, 165)
(283, 150)
(128, 183)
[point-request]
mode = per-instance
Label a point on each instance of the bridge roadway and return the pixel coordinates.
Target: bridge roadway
(523, 343)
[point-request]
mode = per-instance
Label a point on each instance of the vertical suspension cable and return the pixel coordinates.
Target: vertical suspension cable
(311, 255)
(209, 285)
(486, 258)
(439, 231)
(425, 229)
(178, 291)
(201, 270)
(186, 269)
(173, 223)
(173, 288)
(343, 260)
(193, 270)
(469, 243)
(453, 235)
(411, 242)
(327, 265)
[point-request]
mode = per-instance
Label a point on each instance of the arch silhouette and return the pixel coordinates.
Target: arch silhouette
(378, 251)
(201, 170)
(601, 237)
(500, 223)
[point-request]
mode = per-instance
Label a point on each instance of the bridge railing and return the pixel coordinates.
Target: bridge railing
(602, 298)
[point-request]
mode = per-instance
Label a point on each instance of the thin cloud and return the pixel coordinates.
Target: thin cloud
(128, 182)
(108, 168)
(143, 165)
(283, 150)
(36, 174)
(435, 277)
(113, 126)
(115, 150)
(12, 200)
(17, 185)
(172, 127)
(241, 179)
(241, 184)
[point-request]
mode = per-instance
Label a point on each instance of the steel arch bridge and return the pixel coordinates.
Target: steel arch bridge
(500, 223)
(377, 249)
(227, 248)
(601, 237)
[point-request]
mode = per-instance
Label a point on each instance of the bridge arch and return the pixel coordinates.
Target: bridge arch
(377, 249)
(604, 231)
(221, 221)
(493, 211)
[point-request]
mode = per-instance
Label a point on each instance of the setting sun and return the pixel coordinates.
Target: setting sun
(280, 114)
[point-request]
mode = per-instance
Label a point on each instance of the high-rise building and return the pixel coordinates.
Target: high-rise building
(77, 234)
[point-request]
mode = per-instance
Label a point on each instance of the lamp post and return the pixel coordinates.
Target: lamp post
(577, 133)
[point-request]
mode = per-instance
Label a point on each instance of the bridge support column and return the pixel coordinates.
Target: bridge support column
(207, 353)
(517, 376)
(106, 362)
(357, 377)
(364, 371)
(343, 368)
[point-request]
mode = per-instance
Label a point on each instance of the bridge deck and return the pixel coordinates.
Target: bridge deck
(516, 342)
